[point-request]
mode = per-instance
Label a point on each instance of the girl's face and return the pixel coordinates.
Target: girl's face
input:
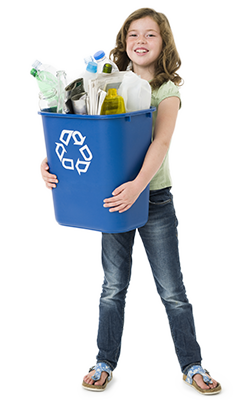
(144, 45)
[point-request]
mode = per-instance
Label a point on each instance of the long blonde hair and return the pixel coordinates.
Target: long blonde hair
(168, 61)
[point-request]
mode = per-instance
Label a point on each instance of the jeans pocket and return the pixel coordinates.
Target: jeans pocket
(160, 203)
(160, 197)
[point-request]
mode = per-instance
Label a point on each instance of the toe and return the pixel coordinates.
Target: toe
(215, 383)
(88, 380)
(199, 380)
(99, 383)
(102, 380)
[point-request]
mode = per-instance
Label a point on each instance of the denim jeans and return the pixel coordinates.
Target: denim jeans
(160, 240)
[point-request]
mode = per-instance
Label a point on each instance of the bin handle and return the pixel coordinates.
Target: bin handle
(128, 117)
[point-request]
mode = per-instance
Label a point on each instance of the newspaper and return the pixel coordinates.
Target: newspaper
(98, 88)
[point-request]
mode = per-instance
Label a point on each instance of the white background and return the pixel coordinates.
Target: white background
(51, 276)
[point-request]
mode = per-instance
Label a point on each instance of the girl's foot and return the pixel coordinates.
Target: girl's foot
(90, 381)
(199, 381)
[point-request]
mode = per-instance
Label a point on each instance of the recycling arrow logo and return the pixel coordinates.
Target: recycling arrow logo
(81, 164)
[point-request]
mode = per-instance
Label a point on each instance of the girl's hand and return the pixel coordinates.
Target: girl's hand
(49, 179)
(123, 197)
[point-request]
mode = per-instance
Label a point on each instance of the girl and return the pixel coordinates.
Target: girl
(145, 44)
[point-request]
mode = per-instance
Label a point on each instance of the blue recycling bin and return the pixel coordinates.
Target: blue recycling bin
(91, 156)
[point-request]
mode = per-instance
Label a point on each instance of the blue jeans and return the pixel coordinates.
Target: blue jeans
(160, 240)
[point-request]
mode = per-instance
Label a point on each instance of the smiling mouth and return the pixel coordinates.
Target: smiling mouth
(141, 51)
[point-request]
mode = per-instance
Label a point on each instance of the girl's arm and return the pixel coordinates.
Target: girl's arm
(125, 195)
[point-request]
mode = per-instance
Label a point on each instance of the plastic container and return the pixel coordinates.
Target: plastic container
(101, 59)
(91, 156)
(90, 73)
(44, 67)
(46, 80)
(113, 104)
(135, 91)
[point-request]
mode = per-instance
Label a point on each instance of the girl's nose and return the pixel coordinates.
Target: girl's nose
(141, 39)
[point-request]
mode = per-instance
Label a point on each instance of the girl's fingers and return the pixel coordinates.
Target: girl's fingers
(50, 185)
(49, 179)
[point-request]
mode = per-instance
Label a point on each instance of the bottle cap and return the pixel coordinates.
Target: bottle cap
(112, 92)
(88, 59)
(100, 54)
(34, 72)
(107, 68)
(92, 67)
(36, 64)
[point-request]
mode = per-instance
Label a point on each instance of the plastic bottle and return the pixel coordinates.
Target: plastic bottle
(113, 104)
(101, 59)
(46, 80)
(90, 73)
(43, 67)
(48, 101)
(61, 84)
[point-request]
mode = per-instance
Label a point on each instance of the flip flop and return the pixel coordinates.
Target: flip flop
(197, 369)
(99, 368)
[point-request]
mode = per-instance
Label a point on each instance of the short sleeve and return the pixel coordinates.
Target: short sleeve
(168, 89)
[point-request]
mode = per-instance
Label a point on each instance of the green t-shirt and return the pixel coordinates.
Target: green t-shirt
(162, 179)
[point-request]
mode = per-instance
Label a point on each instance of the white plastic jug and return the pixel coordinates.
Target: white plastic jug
(136, 92)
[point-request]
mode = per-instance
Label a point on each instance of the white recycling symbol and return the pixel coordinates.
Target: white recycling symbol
(81, 165)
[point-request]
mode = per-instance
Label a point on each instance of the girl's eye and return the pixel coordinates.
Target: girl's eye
(135, 35)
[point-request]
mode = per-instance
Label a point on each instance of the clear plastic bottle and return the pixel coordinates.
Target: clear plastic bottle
(61, 84)
(113, 103)
(46, 80)
(101, 59)
(43, 67)
(48, 101)
(90, 73)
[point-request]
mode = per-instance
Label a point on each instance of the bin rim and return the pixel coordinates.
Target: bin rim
(99, 117)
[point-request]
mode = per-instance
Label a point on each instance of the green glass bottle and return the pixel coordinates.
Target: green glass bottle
(107, 68)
